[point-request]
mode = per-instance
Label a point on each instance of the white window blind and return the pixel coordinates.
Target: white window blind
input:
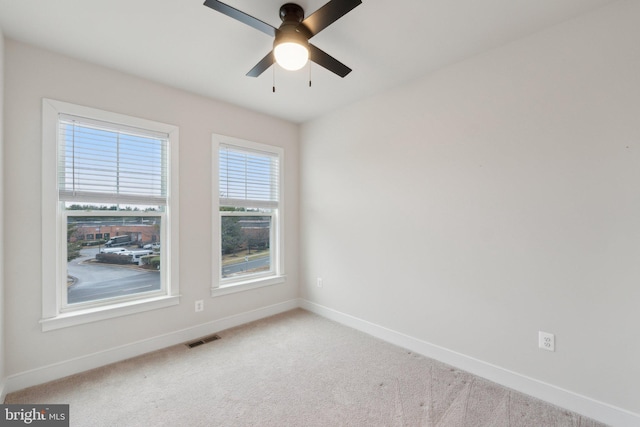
(248, 178)
(100, 162)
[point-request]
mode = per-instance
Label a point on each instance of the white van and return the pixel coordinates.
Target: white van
(111, 250)
(136, 255)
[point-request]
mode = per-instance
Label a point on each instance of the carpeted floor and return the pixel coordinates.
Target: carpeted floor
(294, 369)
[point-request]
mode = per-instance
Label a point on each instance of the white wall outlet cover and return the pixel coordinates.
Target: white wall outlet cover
(546, 341)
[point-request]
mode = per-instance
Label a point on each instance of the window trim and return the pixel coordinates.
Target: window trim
(222, 286)
(53, 317)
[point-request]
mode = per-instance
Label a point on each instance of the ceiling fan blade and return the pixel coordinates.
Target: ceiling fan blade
(241, 16)
(327, 61)
(263, 65)
(328, 14)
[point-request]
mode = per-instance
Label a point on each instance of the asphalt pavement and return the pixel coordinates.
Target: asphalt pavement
(252, 264)
(93, 281)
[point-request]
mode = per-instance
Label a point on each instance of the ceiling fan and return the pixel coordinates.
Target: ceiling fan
(291, 47)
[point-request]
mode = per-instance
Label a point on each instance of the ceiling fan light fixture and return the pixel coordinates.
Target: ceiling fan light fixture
(291, 47)
(291, 50)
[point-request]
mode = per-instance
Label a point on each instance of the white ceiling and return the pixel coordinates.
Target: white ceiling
(184, 44)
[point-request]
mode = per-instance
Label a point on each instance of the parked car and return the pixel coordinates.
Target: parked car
(154, 246)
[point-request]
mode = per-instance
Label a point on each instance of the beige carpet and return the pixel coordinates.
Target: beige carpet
(294, 369)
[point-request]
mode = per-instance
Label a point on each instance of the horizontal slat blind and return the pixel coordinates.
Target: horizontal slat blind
(248, 178)
(101, 162)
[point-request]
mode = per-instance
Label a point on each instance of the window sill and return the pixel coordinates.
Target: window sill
(95, 314)
(235, 287)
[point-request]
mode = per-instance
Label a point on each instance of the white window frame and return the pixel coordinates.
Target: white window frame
(54, 224)
(224, 286)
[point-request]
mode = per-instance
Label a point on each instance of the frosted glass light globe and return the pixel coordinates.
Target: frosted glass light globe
(291, 56)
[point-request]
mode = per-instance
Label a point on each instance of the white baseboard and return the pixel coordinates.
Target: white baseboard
(583, 405)
(84, 363)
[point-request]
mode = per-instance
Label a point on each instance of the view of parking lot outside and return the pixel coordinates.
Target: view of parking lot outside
(112, 256)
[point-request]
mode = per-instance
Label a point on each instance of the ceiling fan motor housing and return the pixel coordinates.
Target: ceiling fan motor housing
(290, 30)
(291, 12)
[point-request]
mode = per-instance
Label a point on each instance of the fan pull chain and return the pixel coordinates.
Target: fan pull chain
(274, 78)
(309, 73)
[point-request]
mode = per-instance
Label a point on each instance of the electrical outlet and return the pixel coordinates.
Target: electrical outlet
(319, 282)
(199, 305)
(546, 341)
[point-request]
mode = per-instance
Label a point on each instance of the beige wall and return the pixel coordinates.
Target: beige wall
(2, 323)
(32, 74)
(491, 200)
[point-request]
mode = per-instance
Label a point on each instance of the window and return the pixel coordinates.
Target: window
(108, 194)
(249, 236)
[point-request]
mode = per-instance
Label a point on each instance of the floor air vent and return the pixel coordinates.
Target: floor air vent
(204, 340)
